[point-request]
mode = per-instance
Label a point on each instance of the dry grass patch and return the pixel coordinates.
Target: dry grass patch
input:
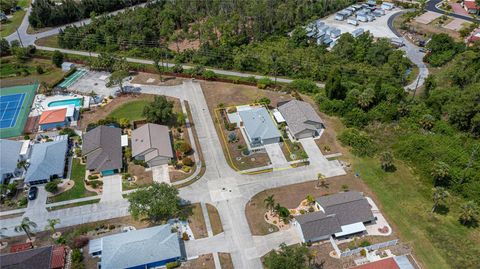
(225, 260)
(215, 220)
(196, 221)
(202, 262)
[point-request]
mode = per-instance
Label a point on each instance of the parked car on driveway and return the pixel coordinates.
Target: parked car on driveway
(32, 193)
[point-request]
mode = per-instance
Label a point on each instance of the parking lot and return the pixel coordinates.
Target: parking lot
(378, 27)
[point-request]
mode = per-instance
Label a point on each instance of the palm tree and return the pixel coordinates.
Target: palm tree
(22, 164)
(51, 224)
(441, 172)
(269, 202)
(469, 212)
(26, 226)
(440, 195)
(321, 182)
(366, 98)
(310, 199)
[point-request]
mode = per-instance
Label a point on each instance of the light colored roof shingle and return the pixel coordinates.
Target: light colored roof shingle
(134, 248)
(47, 159)
(152, 136)
(10, 151)
(258, 123)
(297, 114)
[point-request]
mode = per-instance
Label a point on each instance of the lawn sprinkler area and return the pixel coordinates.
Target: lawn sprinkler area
(15, 103)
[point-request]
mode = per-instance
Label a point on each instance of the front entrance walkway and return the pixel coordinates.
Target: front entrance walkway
(276, 156)
(112, 188)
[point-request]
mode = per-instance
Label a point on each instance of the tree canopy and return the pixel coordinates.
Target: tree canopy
(160, 111)
(158, 202)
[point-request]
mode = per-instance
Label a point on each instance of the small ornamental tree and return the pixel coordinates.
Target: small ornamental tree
(57, 58)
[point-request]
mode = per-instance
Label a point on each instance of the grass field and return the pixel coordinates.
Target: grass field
(78, 190)
(10, 27)
(407, 202)
(49, 41)
(132, 110)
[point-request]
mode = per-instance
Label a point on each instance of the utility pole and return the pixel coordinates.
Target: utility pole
(21, 43)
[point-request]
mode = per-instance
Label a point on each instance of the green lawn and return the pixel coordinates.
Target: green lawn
(132, 110)
(78, 190)
(10, 26)
(439, 241)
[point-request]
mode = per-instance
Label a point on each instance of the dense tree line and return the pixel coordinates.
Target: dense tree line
(46, 13)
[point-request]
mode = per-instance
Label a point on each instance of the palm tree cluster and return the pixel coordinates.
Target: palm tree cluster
(276, 208)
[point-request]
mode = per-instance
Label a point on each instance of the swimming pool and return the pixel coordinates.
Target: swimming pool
(76, 101)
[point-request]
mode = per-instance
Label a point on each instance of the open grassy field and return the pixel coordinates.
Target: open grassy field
(78, 190)
(9, 27)
(14, 72)
(49, 41)
(132, 110)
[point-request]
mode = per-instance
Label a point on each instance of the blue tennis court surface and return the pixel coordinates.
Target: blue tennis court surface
(10, 106)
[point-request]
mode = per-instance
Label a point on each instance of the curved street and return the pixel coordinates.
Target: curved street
(432, 6)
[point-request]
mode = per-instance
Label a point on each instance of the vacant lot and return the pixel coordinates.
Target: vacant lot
(154, 79)
(49, 41)
(14, 72)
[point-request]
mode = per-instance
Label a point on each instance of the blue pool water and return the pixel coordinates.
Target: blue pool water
(76, 101)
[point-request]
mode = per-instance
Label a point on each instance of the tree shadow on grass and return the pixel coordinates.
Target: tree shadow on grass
(442, 210)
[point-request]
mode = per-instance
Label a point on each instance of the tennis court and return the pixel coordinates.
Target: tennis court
(67, 82)
(15, 104)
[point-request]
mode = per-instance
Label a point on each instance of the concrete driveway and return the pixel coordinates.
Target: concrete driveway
(37, 207)
(160, 174)
(326, 167)
(276, 156)
(112, 188)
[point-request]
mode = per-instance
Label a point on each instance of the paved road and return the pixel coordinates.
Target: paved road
(220, 186)
(413, 53)
(432, 6)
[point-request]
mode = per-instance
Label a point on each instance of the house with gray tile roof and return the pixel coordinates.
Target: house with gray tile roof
(338, 215)
(47, 161)
(146, 248)
(258, 127)
(102, 147)
(302, 120)
(10, 157)
(152, 143)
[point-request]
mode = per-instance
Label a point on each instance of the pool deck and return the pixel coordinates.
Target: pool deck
(41, 102)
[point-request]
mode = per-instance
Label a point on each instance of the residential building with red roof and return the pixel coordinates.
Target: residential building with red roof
(471, 6)
(51, 119)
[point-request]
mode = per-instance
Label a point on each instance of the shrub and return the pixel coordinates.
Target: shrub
(39, 69)
(264, 83)
(209, 75)
(186, 169)
(361, 144)
(68, 131)
(230, 126)
(264, 100)
(185, 148)
(365, 243)
(311, 209)
(363, 252)
(96, 183)
(246, 152)
(92, 177)
(80, 241)
(185, 236)
(232, 109)
(232, 137)
(52, 186)
(57, 58)
(304, 86)
(26, 137)
(187, 161)
(77, 256)
(172, 265)
(178, 68)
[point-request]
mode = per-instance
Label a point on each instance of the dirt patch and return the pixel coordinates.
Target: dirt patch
(154, 79)
(196, 221)
(235, 94)
(183, 45)
(291, 196)
(202, 262)
(143, 178)
(225, 260)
